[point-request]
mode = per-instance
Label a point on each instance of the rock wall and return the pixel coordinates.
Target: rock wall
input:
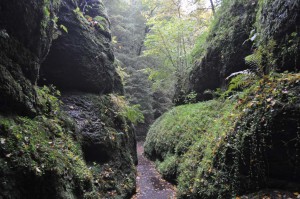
(243, 28)
(26, 29)
(279, 21)
(83, 149)
(81, 58)
(107, 140)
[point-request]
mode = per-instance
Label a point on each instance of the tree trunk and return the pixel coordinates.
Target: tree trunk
(212, 7)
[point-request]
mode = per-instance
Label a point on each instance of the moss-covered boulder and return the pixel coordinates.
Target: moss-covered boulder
(81, 58)
(226, 148)
(41, 157)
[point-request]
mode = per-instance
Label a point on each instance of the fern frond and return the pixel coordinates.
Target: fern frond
(241, 81)
(254, 60)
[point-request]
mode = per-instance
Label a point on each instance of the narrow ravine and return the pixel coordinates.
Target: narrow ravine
(149, 182)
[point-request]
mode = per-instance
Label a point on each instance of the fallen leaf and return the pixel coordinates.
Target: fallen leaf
(8, 155)
(2, 141)
(38, 170)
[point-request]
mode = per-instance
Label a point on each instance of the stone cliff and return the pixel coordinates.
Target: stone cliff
(73, 144)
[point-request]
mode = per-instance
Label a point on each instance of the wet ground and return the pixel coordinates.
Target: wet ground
(150, 184)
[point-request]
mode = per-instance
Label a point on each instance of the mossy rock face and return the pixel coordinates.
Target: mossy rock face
(81, 58)
(43, 152)
(224, 149)
(90, 155)
(263, 150)
(25, 39)
(238, 30)
(227, 45)
(30, 23)
(279, 20)
(39, 158)
(108, 142)
(18, 72)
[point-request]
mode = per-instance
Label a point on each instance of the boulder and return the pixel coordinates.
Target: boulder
(81, 58)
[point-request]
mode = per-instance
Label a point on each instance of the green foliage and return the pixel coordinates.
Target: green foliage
(200, 46)
(170, 42)
(46, 11)
(121, 72)
(133, 113)
(190, 98)
(172, 37)
(48, 99)
(46, 17)
(254, 60)
(128, 33)
(240, 83)
(101, 26)
(100, 19)
(130, 112)
(168, 168)
(80, 15)
(263, 58)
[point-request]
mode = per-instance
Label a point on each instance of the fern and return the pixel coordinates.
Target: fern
(132, 112)
(240, 81)
(101, 26)
(254, 60)
(99, 19)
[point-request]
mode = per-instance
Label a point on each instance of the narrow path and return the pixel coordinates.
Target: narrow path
(150, 184)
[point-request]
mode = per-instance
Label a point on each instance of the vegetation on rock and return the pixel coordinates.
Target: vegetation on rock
(225, 147)
(84, 147)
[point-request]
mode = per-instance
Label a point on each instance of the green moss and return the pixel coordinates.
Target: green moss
(42, 144)
(283, 31)
(207, 144)
(168, 168)
(200, 47)
(47, 149)
(49, 16)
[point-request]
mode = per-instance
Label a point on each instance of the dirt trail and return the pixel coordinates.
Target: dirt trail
(150, 184)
